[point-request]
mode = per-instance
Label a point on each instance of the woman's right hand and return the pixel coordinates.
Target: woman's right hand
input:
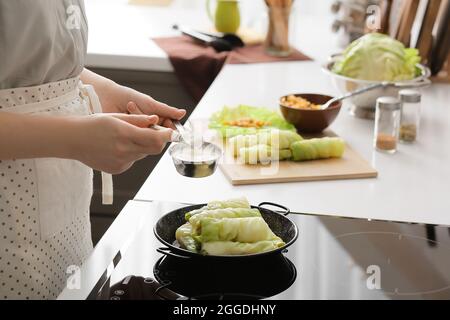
(113, 142)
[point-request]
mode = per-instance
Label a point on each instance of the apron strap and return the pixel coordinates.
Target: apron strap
(88, 92)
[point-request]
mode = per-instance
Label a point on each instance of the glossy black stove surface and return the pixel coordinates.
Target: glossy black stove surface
(333, 258)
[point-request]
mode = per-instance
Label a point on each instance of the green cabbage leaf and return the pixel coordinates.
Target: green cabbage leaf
(273, 118)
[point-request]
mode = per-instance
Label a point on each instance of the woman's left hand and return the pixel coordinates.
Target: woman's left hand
(115, 98)
(126, 100)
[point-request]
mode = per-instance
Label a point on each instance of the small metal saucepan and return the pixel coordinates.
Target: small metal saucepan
(195, 161)
(191, 155)
(166, 226)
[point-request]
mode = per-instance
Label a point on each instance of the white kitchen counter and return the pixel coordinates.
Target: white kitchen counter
(412, 185)
(120, 33)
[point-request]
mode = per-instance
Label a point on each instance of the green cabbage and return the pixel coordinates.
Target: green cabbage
(378, 57)
(242, 111)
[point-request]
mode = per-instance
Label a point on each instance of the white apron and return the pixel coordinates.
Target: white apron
(44, 203)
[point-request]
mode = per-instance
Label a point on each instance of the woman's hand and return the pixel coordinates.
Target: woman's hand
(107, 142)
(115, 98)
(113, 142)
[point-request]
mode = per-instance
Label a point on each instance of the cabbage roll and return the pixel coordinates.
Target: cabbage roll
(185, 238)
(242, 141)
(250, 229)
(263, 154)
(279, 139)
(221, 248)
(318, 148)
(241, 202)
(196, 220)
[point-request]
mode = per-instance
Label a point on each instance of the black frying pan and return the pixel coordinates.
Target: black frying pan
(167, 225)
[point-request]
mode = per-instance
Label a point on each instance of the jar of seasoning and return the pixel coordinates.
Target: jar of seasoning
(387, 124)
(410, 117)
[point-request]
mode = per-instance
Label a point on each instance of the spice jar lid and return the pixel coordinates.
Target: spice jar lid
(389, 103)
(409, 95)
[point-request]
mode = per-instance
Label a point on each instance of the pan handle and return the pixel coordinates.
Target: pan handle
(167, 252)
(286, 209)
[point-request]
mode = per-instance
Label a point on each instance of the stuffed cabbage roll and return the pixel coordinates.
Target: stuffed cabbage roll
(250, 229)
(241, 202)
(221, 248)
(185, 238)
(318, 148)
(196, 220)
(263, 154)
(242, 141)
(279, 139)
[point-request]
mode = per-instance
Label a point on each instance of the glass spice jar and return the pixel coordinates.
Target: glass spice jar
(387, 124)
(410, 116)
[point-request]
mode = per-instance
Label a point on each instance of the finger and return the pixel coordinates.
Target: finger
(132, 108)
(163, 110)
(141, 121)
(168, 124)
(147, 137)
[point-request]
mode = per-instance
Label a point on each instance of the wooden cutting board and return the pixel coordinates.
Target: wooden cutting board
(350, 166)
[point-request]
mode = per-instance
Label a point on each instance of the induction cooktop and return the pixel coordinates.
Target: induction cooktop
(333, 258)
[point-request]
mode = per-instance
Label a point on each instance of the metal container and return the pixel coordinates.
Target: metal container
(195, 162)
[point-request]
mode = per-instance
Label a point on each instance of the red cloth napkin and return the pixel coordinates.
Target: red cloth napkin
(196, 65)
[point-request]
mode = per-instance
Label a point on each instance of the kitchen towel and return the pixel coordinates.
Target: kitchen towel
(196, 65)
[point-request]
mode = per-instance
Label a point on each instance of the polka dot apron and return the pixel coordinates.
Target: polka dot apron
(44, 203)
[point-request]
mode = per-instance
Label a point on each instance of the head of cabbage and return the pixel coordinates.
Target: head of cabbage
(378, 57)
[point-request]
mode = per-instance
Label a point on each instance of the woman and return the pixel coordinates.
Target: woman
(50, 139)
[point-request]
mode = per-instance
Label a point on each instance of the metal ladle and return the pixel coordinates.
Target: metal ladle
(383, 84)
(354, 93)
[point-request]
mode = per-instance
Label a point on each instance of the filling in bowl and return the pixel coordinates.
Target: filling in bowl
(299, 103)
